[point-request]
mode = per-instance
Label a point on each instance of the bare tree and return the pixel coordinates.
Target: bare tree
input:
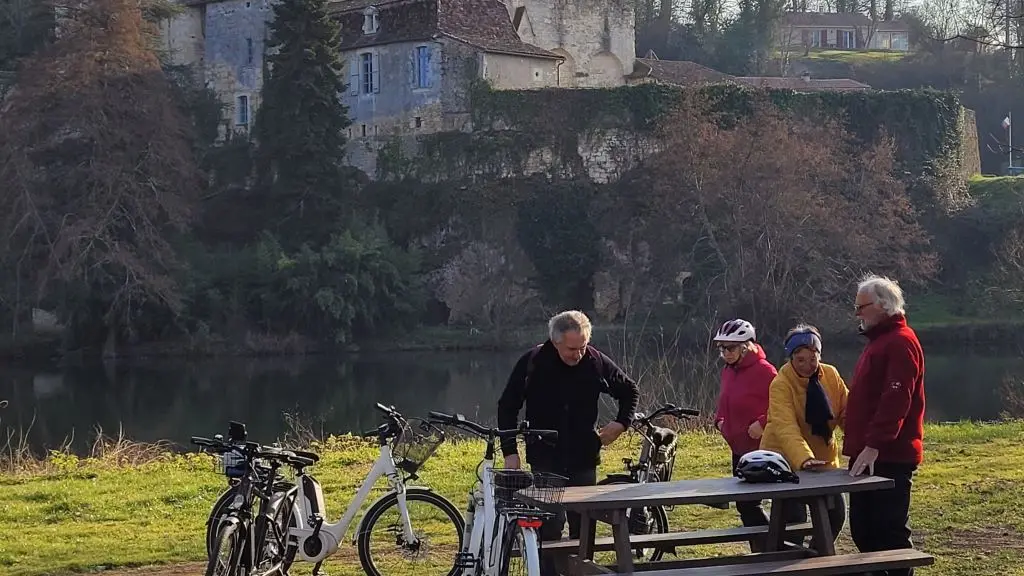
(776, 205)
(96, 172)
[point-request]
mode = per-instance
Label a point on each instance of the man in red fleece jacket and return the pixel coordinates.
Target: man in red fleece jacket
(884, 418)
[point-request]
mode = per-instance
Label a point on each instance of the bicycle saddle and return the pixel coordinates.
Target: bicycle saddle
(663, 436)
(303, 454)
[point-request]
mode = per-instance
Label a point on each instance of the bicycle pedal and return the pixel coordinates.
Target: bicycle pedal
(465, 560)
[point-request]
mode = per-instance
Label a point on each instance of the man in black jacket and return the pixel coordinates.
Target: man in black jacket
(561, 382)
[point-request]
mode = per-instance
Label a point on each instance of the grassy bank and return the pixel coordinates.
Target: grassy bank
(850, 56)
(69, 515)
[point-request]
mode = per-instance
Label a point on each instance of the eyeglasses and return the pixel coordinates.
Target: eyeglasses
(728, 347)
(859, 307)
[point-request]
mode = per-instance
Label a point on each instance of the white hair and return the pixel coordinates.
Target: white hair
(568, 321)
(884, 292)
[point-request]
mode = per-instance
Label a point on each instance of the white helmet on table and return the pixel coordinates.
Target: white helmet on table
(765, 466)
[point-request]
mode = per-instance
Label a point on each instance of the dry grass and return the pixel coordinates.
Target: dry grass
(18, 459)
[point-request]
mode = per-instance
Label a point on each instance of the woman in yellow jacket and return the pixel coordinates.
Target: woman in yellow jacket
(806, 403)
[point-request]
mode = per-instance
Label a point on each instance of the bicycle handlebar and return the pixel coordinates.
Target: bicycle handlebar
(670, 409)
(254, 450)
(460, 421)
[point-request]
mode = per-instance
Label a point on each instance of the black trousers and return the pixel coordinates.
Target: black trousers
(751, 513)
(552, 529)
(796, 513)
(880, 519)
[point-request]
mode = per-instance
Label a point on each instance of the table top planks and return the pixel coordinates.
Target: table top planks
(706, 491)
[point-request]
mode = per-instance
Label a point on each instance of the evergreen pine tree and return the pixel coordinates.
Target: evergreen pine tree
(299, 129)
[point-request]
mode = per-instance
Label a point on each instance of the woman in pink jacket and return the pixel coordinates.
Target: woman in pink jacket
(743, 400)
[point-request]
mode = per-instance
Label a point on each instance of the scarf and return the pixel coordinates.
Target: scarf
(817, 411)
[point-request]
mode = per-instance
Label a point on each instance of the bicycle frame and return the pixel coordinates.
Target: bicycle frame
(642, 469)
(318, 539)
(483, 534)
(482, 551)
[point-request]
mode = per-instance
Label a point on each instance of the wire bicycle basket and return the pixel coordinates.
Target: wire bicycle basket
(416, 444)
(231, 464)
(541, 486)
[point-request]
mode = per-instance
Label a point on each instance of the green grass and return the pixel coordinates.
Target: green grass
(1007, 191)
(852, 56)
(71, 515)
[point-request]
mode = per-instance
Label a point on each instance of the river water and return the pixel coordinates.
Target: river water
(170, 399)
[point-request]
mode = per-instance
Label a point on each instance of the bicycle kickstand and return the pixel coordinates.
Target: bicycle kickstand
(316, 569)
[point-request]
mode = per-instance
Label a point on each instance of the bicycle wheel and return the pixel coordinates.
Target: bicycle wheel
(222, 507)
(438, 528)
(648, 520)
(520, 552)
(227, 550)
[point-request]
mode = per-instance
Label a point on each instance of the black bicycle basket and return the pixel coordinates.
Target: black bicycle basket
(416, 444)
(541, 486)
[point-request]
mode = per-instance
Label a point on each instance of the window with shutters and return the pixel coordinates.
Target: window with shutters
(368, 75)
(846, 39)
(421, 67)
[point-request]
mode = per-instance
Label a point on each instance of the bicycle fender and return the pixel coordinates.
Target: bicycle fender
(279, 499)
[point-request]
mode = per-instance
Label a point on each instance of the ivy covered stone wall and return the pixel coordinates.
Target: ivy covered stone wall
(601, 133)
(466, 196)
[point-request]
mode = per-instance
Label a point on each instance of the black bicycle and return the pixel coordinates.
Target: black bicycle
(655, 464)
(283, 488)
(247, 541)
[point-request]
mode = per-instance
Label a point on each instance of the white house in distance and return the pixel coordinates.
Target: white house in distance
(841, 31)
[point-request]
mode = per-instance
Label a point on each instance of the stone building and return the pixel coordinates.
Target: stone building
(595, 38)
(226, 40)
(410, 62)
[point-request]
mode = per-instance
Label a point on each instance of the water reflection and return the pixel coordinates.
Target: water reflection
(171, 399)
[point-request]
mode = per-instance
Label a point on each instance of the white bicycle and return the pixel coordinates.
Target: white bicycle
(501, 528)
(412, 536)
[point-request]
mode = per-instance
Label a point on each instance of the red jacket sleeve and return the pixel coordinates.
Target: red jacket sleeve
(768, 373)
(901, 374)
(719, 415)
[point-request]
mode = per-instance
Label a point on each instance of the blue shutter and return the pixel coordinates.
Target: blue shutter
(353, 76)
(376, 73)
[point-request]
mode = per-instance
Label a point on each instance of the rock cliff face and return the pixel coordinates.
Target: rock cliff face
(523, 143)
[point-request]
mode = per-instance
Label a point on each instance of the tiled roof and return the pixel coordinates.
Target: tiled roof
(484, 24)
(804, 84)
(893, 26)
(400, 21)
(825, 19)
(679, 72)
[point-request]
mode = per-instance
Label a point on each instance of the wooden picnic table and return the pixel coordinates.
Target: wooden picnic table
(610, 503)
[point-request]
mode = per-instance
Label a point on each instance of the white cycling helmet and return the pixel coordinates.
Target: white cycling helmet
(735, 331)
(765, 466)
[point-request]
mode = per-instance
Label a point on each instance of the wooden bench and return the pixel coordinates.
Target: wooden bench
(672, 539)
(814, 566)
